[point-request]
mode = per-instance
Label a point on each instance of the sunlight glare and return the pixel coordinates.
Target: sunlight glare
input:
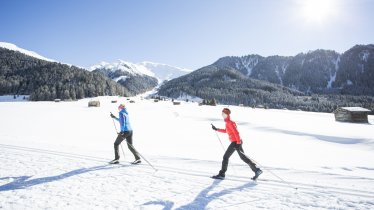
(317, 10)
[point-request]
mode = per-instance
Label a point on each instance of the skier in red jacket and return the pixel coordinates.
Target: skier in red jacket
(236, 144)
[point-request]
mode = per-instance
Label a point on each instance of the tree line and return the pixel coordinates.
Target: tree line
(42, 80)
(228, 86)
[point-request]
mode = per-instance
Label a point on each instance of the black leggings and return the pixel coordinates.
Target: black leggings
(230, 150)
(122, 136)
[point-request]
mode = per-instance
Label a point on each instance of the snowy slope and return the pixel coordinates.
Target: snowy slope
(163, 71)
(123, 66)
(160, 71)
(54, 156)
(13, 47)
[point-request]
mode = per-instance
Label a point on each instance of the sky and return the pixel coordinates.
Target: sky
(183, 33)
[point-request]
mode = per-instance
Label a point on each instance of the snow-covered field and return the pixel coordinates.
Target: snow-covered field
(11, 98)
(54, 156)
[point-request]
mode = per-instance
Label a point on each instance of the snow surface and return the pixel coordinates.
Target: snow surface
(333, 76)
(249, 63)
(356, 109)
(163, 71)
(123, 66)
(186, 97)
(54, 156)
(123, 78)
(13, 47)
(10, 98)
(364, 55)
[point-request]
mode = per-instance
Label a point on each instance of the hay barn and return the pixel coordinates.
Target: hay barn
(94, 104)
(352, 114)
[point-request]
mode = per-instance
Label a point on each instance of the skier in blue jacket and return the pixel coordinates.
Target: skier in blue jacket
(126, 133)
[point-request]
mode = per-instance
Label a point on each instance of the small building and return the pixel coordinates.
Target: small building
(132, 101)
(114, 101)
(57, 100)
(176, 103)
(352, 114)
(94, 104)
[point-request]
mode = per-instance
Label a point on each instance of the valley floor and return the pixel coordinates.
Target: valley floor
(54, 156)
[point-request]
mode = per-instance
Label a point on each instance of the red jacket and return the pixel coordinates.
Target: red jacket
(231, 130)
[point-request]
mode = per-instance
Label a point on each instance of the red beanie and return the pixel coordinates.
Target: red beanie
(226, 111)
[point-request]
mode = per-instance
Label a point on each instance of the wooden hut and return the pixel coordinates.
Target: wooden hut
(352, 114)
(94, 104)
(176, 103)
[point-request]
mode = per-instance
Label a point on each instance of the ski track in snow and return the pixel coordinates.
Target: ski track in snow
(76, 180)
(38, 173)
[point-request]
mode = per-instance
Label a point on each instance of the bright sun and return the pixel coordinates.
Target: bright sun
(317, 10)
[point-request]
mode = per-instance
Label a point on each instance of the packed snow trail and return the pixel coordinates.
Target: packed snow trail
(60, 173)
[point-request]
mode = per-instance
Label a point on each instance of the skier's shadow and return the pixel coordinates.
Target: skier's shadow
(23, 182)
(202, 200)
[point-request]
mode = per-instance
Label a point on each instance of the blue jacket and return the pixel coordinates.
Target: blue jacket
(124, 120)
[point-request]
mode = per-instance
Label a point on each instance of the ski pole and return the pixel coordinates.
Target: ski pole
(115, 127)
(224, 149)
(270, 171)
(141, 156)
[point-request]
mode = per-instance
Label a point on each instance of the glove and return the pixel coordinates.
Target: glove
(214, 127)
(112, 115)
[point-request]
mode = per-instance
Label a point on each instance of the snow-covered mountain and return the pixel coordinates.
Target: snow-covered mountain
(159, 71)
(163, 71)
(314, 72)
(121, 65)
(14, 47)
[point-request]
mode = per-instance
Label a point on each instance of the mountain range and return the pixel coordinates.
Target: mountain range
(319, 80)
(135, 78)
(319, 71)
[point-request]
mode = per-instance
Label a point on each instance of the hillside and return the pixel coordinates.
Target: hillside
(14, 47)
(315, 72)
(228, 86)
(21, 74)
(320, 81)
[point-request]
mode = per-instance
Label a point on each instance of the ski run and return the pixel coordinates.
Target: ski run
(55, 156)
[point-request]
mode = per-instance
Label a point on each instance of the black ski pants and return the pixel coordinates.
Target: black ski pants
(122, 136)
(230, 150)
